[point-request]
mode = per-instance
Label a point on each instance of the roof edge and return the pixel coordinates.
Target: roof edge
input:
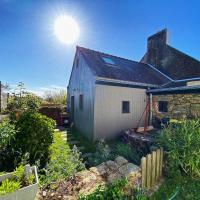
(125, 82)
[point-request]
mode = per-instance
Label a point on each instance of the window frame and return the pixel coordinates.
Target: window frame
(125, 110)
(107, 59)
(81, 99)
(163, 106)
(77, 63)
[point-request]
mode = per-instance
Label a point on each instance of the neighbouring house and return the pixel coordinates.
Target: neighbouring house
(107, 94)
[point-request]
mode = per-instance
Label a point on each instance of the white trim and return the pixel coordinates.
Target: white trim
(159, 71)
(125, 82)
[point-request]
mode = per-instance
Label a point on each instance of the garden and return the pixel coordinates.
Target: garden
(35, 157)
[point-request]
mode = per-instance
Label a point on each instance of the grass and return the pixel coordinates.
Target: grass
(186, 188)
(83, 141)
(63, 163)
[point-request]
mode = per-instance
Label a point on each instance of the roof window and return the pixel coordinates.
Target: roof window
(108, 61)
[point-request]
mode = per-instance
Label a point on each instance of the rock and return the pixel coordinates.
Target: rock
(44, 193)
(112, 166)
(52, 194)
(129, 169)
(113, 177)
(120, 161)
(101, 169)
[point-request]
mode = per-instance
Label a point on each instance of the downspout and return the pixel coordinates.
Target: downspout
(150, 101)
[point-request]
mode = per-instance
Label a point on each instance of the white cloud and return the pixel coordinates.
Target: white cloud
(40, 91)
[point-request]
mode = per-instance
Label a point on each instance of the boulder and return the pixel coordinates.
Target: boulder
(120, 161)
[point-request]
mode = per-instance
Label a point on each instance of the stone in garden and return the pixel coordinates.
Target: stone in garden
(114, 177)
(44, 193)
(86, 178)
(129, 169)
(112, 166)
(101, 169)
(120, 161)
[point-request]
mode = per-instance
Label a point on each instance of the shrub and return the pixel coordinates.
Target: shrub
(64, 162)
(125, 150)
(181, 142)
(102, 154)
(7, 133)
(35, 135)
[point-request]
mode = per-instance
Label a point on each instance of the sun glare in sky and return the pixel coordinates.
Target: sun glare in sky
(66, 29)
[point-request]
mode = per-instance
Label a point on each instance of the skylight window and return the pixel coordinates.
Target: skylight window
(108, 61)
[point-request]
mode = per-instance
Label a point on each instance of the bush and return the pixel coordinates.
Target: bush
(181, 142)
(125, 150)
(64, 162)
(35, 135)
(7, 133)
(102, 154)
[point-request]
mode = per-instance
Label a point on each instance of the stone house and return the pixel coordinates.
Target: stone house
(107, 94)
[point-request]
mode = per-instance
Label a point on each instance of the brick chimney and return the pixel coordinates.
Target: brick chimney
(155, 47)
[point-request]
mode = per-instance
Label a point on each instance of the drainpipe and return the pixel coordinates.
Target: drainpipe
(150, 118)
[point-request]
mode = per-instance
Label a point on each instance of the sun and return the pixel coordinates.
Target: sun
(66, 29)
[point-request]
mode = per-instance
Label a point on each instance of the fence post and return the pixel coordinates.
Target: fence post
(157, 163)
(148, 171)
(161, 161)
(144, 168)
(153, 167)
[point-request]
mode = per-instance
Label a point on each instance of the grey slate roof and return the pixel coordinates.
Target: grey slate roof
(124, 70)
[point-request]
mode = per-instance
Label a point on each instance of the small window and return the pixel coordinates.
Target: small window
(163, 106)
(108, 61)
(125, 107)
(77, 63)
(81, 102)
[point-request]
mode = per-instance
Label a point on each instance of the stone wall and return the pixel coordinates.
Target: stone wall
(180, 106)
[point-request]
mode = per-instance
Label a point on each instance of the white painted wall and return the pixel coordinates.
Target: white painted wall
(109, 120)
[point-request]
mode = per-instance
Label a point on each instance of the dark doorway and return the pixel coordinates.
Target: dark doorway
(72, 109)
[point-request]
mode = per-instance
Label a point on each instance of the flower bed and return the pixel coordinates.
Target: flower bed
(22, 184)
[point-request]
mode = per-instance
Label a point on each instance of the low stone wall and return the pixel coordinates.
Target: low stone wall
(180, 106)
(108, 172)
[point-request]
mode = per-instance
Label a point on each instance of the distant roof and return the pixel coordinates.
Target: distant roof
(117, 68)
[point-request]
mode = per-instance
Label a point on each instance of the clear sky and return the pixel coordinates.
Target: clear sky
(30, 52)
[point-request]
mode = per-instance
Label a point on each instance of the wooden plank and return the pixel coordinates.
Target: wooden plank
(161, 161)
(153, 180)
(148, 170)
(144, 168)
(157, 163)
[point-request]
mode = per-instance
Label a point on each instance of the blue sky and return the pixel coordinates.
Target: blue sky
(30, 52)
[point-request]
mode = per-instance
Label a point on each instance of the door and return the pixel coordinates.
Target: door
(72, 109)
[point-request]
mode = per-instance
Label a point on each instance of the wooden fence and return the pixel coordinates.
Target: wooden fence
(151, 166)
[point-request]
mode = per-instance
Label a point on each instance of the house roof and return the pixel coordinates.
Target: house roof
(123, 69)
